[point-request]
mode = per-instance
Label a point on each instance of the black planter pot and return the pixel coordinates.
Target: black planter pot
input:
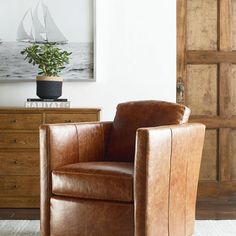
(49, 87)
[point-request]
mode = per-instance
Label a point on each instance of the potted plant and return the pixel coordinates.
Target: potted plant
(50, 60)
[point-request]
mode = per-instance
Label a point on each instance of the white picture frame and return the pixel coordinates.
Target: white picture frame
(82, 67)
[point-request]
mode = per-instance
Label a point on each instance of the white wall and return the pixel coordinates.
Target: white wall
(136, 60)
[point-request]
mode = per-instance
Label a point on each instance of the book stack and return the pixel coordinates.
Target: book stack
(47, 103)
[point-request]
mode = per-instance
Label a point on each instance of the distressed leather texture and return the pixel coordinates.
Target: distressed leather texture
(86, 191)
(95, 180)
(79, 217)
(64, 144)
(167, 165)
(133, 115)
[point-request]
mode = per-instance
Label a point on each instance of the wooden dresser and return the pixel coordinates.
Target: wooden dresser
(19, 150)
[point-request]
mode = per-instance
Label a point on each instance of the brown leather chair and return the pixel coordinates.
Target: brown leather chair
(96, 180)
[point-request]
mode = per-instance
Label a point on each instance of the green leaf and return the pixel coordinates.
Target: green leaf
(49, 58)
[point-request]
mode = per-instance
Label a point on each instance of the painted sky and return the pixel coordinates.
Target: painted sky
(73, 17)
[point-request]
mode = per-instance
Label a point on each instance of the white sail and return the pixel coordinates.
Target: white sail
(40, 32)
(31, 34)
(53, 33)
(39, 29)
(22, 35)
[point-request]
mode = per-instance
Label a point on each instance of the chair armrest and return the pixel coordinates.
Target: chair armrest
(167, 164)
(63, 144)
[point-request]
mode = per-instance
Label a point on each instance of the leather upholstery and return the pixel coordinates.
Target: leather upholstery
(154, 196)
(95, 180)
(167, 167)
(63, 144)
(133, 115)
(79, 217)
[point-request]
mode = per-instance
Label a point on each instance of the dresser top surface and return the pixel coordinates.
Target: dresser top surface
(39, 110)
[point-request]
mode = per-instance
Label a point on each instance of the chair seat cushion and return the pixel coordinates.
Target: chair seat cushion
(95, 180)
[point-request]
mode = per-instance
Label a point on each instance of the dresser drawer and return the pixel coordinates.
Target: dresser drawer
(19, 202)
(19, 186)
(17, 162)
(20, 121)
(67, 118)
(19, 140)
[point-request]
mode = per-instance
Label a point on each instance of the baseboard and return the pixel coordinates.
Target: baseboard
(216, 210)
(19, 214)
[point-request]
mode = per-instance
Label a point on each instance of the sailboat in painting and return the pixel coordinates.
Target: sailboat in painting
(40, 31)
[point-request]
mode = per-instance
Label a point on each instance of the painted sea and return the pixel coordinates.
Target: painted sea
(14, 68)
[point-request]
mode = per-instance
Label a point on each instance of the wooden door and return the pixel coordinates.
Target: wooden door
(206, 76)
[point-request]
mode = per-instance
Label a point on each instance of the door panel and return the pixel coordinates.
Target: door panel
(232, 90)
(233, 24)
(201, 94)
(202, 25)
(232, 153)
(209, 156)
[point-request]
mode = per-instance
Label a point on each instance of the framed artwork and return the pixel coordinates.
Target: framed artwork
(69, 24)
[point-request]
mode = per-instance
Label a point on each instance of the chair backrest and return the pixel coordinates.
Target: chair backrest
(139, 114)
